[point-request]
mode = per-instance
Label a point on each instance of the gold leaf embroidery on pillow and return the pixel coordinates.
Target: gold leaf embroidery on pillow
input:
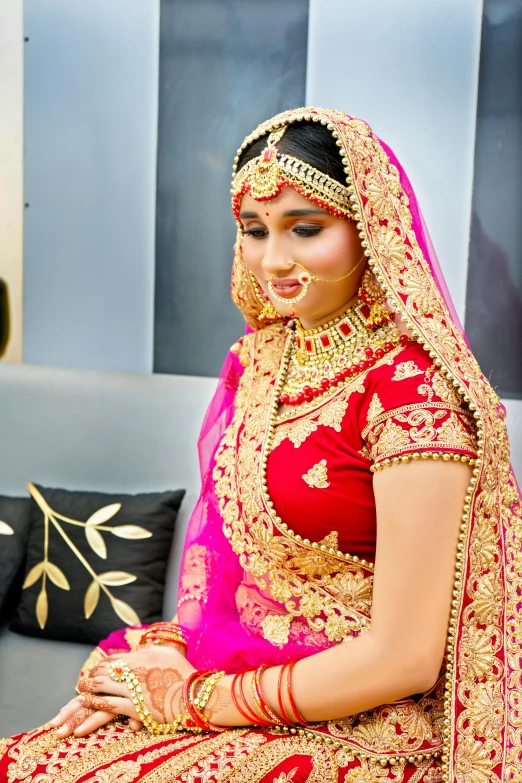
(406, 370)
(45, 569)
(317, 476)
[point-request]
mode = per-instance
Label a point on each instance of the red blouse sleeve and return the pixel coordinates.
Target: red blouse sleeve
(411, 409)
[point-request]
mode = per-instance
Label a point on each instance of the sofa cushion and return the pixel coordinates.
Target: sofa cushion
(15, 521)
(96, 562)
(37, 678)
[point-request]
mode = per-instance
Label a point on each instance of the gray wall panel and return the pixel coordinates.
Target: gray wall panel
(225, 65)
(91, 90)
(494, 290)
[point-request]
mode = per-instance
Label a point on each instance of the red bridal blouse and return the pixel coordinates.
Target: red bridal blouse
(319, 473)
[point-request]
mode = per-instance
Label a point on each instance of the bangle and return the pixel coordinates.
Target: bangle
(284, 713)
(163, 633)
(299, 718)
(235, 700)
(257, 720)
(195, 704)
(266, 713)
(120, 671)
(261, 701)
(200, 702)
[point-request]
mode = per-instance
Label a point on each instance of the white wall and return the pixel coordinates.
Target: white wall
(11, 168)
(410, 69)
(91, 87)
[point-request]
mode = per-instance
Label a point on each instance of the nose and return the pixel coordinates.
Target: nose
(275, 262)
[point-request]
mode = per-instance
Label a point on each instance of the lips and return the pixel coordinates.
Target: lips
(287, 286)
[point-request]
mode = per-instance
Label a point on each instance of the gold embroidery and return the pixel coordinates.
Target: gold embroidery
(330, 414)
(406, 370)
(133, 637)
(317, 476)
(276, 628)
(418, 426)
(193, 585)
(436, 384)
(45, 569)
(375, 408)
(318, 588)
(491, 530)
(391, 439)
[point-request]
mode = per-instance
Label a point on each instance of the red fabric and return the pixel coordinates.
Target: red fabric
(347, 505)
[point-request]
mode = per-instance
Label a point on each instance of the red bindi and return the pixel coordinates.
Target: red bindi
(267, 214)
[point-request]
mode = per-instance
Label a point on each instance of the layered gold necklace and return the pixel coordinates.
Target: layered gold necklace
(327, 356)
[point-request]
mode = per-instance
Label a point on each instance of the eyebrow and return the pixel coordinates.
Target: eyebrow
(290, 213)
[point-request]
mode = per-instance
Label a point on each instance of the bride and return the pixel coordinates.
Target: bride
(351, 583)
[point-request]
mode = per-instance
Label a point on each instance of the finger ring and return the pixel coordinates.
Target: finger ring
(118, 671)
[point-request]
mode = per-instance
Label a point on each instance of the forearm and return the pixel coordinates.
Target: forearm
(344, 680)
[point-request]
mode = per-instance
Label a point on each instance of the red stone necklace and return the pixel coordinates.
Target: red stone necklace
(327, 356)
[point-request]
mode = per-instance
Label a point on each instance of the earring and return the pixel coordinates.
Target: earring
(371, 293)
(268, 312)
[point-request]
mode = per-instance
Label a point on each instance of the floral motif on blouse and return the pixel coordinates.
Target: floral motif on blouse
(317, 476)
(424, 426)
(406, 370)
(330, 414)
(375, 408)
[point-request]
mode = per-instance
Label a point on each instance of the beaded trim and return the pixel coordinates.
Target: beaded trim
(446, 456)
(383, 760)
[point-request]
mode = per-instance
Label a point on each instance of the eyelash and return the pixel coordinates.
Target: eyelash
(260, 233)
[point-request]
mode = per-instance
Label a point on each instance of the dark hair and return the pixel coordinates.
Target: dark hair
(309, 141)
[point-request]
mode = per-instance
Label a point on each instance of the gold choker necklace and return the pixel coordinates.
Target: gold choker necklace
(327, 356)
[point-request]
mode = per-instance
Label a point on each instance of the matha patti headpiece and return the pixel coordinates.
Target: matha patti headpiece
(266, 175)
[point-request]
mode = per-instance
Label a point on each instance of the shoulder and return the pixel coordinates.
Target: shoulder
(410, 406)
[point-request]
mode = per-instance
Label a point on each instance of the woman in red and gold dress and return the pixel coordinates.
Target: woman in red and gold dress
(350, 589)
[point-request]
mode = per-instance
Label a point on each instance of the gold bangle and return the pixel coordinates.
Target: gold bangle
(120, 671)
(209, 683)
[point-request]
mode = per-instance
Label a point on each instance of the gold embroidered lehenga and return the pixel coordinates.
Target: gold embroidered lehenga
(264, 581)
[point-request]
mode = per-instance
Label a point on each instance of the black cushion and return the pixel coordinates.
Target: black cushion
(15, 521)
(105, 564)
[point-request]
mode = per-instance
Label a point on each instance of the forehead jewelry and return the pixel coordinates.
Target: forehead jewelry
(305, 278)
(265, 176)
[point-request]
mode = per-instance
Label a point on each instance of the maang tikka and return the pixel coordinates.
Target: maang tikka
(267, 174)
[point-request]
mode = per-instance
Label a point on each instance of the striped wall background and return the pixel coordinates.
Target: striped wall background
(133, 112)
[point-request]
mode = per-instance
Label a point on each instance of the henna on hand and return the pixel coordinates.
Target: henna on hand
(95, 702)
(220, 699)
(157, 682)
(89, 684)
(173, 701)
(78, 718)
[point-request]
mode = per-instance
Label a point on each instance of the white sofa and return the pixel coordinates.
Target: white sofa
(89, 430)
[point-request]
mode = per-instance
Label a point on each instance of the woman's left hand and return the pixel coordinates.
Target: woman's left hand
(161, 671)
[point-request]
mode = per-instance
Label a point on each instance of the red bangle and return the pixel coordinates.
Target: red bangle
(257, 720)
(284, 714)
(199, 719)
(236, 700)
(267, 712)
(186, 695)
(296, 712)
